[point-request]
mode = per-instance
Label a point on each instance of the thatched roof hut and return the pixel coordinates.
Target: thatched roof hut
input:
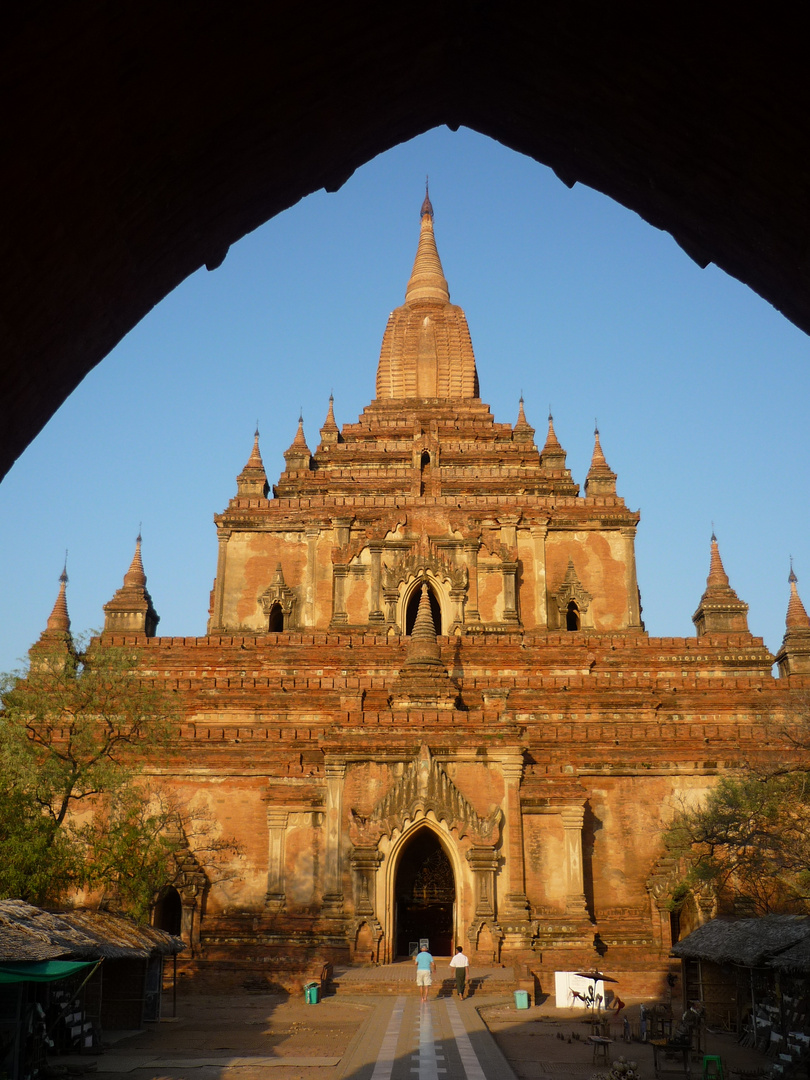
(28, 933)
(795, 960)
(746, 942)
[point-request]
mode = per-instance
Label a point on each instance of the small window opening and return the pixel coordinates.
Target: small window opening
(572, 616)
(413, 608)
(424, 471)
(275, 623)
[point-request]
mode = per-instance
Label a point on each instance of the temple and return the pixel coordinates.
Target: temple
(426, 705)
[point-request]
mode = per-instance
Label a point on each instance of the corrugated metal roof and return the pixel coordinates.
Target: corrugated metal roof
(29, 933)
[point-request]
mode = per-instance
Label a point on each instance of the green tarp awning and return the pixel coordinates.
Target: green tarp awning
(42, 970)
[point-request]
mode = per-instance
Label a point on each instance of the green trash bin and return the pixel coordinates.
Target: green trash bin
(521, 999)
(312, 993)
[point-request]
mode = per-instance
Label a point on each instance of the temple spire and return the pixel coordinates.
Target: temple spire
(55, 649)
(720, 609)
(427, 281)
(600, 479)
(298, 455)
(131, 610)
(797, 617)
(252, 480)
(135, 575)
(793, 657)
(523, 430)
(718, 578)
(59, 620)
(330, 432)
(426, 351)
(427, 206)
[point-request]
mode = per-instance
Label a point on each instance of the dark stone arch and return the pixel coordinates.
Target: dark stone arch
(168, 911)
(275, 620)
(145, 141)
(424, 894)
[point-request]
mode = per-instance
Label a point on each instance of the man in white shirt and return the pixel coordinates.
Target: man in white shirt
(460, 963)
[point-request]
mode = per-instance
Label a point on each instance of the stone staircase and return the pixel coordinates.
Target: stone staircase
(400, 977)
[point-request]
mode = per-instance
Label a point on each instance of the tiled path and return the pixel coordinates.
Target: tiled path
(442, 1040)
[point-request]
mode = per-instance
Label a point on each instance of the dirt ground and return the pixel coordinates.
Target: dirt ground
(543, 1041)
(226, 1036)
(262, 1036)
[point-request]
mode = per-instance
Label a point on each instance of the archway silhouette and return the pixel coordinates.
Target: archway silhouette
(97, 242)
(425, 895)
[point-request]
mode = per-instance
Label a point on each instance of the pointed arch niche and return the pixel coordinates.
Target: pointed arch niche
(412, 607)
(424, 884)
(447, 584)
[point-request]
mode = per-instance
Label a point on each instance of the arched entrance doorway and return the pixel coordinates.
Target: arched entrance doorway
(168, 913)
(425, 895)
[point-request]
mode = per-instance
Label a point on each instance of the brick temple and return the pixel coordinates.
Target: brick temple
(426, 705)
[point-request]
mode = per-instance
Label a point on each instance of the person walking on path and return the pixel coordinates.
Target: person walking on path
(460, 963)
(425, 964)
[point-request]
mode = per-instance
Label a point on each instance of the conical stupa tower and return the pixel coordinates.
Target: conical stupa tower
(55, 643)
(131, 610)
(720, 609)
(426, 350)
(252, 480)
(298, 456)
(423, 679)
(793, 657)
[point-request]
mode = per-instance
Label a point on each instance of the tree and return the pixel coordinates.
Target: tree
(75, 730)
(749, 841)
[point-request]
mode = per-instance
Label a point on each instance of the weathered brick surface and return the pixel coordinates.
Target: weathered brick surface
(529, 726)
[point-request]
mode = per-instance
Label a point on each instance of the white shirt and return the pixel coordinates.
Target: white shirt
(459, 960)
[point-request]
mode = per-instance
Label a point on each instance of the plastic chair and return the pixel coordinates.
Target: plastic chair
(712, 1067)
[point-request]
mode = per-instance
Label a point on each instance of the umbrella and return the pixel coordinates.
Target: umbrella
(596, 976)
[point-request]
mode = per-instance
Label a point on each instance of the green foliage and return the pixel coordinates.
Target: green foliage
(74, 731)
(37, 863)
(749, 841)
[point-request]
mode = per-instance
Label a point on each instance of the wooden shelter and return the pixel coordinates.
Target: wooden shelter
(66, 976)
(750, 975)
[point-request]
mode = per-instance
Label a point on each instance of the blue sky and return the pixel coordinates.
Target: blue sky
(699, 386)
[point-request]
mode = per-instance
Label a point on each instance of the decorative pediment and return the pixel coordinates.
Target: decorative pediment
(278, 593)
(571, 589)
(417, 563)
(425, 787)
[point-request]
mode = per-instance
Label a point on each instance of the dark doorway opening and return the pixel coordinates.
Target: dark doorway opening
(572, 616)
(168, 913)
(425, 893)
(275, 623)
(413, 607)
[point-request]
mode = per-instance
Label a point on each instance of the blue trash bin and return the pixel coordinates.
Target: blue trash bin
(521, 999)
(312, 993)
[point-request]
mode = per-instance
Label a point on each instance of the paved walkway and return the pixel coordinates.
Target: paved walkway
(444, 1039)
